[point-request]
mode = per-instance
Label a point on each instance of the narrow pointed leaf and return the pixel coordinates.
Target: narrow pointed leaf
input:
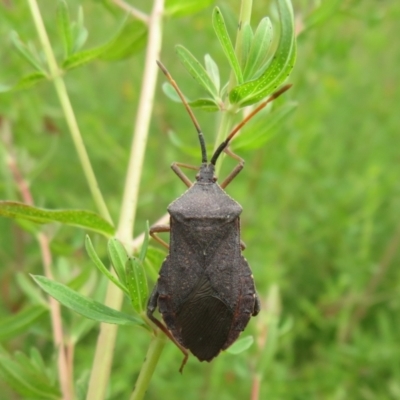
(83, 305)
(154, 259)
(241, 345)
(118, 257)
(25, 52)
(137, 284)
(145, 244)
(225, 41)
(130, 38)
(205, 104)
(259, 48)
(25, 82)
(64, 26)
(179, 8)
(83, 57)
(279, 68)
(80, 218)
(14, 325)
(78, 32)
(24, 378)
(212, 70)
(247, 40)
(170, 92)
(101, 267)
(196, 70)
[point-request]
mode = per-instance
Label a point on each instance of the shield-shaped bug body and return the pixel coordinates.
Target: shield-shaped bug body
(205, 291)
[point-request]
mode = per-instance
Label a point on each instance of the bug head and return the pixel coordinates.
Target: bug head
(206, 173)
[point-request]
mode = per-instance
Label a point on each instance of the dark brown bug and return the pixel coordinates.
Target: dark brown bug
(205, 291)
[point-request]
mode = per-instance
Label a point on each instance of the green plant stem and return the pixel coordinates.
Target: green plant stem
(227, 118)
(66, 106)
(153, 354)
(106, 340)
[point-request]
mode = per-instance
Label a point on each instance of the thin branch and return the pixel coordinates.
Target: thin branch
(133, 11)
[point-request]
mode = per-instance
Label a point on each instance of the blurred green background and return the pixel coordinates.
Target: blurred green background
(321, 199)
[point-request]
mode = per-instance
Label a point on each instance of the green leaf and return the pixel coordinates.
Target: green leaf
(27, 377)
(118, 257)
(155, 257)
(212, 70)
(26, 53)
(80, 218)
(130, 38)
(247, 40)
(205, 104)
(179, 8)
(241, 345)
(196, 70)
(64, 27)
(83, 305)
(170, 92)
(262, 128)
(259, 48)
(145, 244)
(14, 325)
(82, 58)
(101, 267)
(25, 82)
(137, 284)
(225, 41)
(279, 68)
(30, 290)
(78, 32)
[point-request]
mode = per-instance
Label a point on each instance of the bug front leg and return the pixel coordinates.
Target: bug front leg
(235, 170)
(158, 229)
(151, 307)
(176, 167)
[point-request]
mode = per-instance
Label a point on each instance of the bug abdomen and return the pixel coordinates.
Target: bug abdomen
(204, 322)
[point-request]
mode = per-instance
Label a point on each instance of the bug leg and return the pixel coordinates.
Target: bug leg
(151, 307)
(157, 229)
(235, 170)
(176, 167)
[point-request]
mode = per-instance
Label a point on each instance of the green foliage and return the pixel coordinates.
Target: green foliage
(83, 305)
(28, 375)
(80, 218)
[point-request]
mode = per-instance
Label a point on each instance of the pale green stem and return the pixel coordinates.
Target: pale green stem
(153, 354)
(227, 117)
(61, 90)
(106, 341)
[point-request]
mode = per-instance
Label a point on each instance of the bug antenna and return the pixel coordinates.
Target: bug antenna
(188, 109)
(237, 128)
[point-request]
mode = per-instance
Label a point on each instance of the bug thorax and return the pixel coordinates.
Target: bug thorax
(206, 174)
